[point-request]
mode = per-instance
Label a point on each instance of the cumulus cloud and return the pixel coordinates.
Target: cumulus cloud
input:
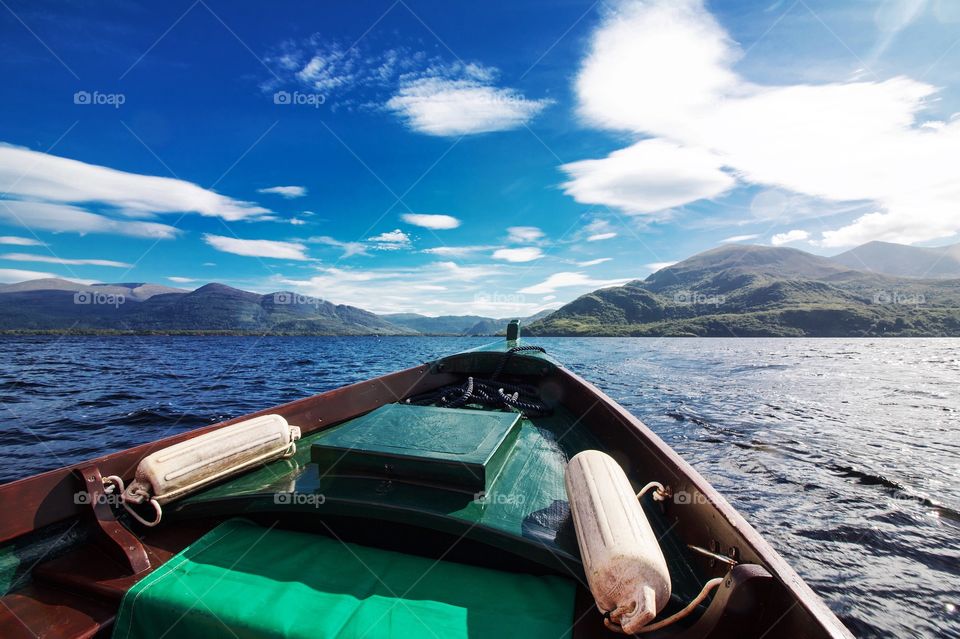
(289, 192)
(664, 71)
(567, 280)
(648, 176)
(32, 175)
(390, 240)
(460, 99)
(435, 222)
(796, 235)
(257, 248)
(526, 254)
(51, 259)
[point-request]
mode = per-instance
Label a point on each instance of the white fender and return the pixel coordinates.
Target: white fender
(625, 568)
(183, 468)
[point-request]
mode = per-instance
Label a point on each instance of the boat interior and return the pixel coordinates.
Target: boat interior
(398, 512)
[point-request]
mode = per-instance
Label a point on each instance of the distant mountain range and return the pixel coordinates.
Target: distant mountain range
(58, 305)
(735, 290)
(742, 290)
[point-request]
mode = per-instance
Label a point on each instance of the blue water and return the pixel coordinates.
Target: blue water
(845, 454)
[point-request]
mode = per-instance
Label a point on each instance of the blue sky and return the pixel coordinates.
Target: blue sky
(446, 158)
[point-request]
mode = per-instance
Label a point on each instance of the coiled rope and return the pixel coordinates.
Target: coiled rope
(490, 392)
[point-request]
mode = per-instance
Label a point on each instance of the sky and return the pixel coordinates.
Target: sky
(495, 158)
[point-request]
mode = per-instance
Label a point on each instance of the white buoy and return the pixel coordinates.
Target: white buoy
(624, 565)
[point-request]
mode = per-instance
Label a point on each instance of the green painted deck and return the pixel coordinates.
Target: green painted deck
(246, 580)
(455, 448)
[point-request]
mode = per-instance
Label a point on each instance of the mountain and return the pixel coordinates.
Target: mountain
(457, 324)
(742, 290)
(904, 261)
(61, 305)
(443, 325)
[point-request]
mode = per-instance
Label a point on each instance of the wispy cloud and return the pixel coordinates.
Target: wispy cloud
(459, 251)
(524, 234)
(598, 237)
(429, 221)
(65, 218)
(12, 275)
(41, 177)
(258, 248)
(181, 280)
(656, 266)
(20, 241)
(599, 260)
(50, 259)
(739, 238)
(289, 192)
(349, 248)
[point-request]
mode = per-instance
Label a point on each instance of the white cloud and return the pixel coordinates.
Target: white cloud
(257, 248)
(526, 254)
(50, 259)
(20, 241)
(459, 251)
(288, 192)
(297, 222)
(567, 280)
(349, 248)
(181, 280)
(436, 222)
(12, 275)
(27, 174)
(445, 288)
(664, 70)
(796, 235)
(524, 234)
(647, 177)
(599, 237)
(656, 266)
(390, 240)
(599, 260)
(460, 100)
(66, 218)
(739, 238)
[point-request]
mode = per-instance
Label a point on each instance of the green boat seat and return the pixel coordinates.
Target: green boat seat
(245, 581)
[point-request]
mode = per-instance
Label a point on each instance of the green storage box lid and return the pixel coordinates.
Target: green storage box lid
(455, 448)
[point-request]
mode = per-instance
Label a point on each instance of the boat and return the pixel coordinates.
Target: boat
(492, 492)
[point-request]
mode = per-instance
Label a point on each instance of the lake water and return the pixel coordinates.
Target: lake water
(844, 453)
